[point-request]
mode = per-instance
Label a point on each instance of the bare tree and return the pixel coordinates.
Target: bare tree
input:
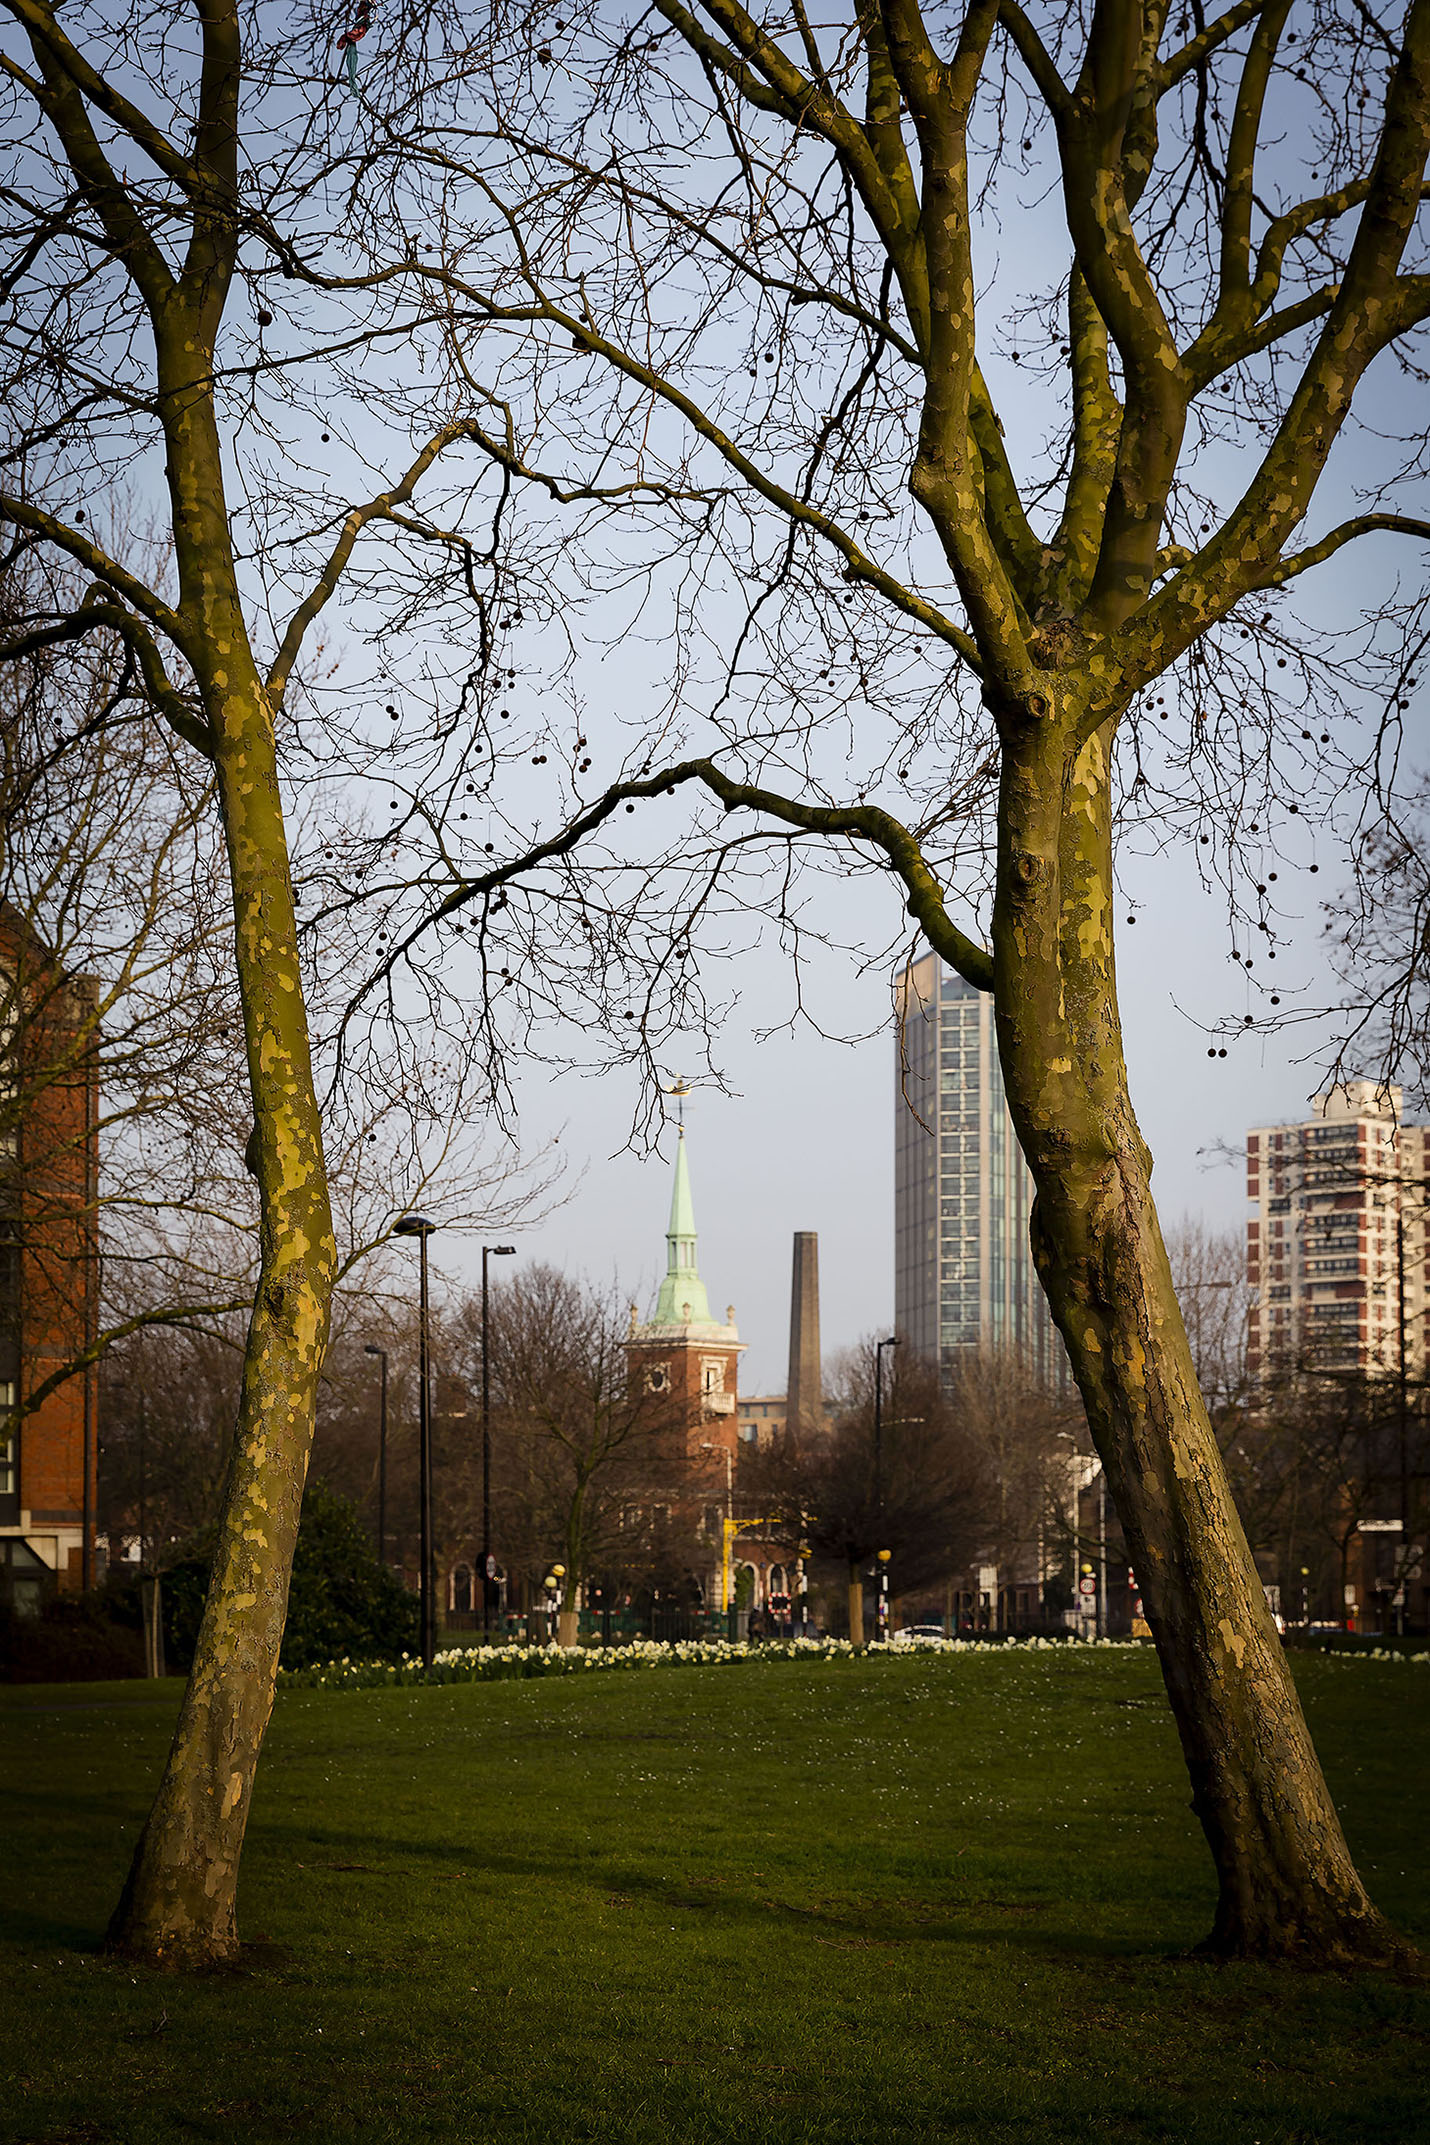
(1379, 937)
(1209, 1272)
(119, 983)
(915, 1483)
(736, 269)
(151, 201)
(168, 1397)
(1027, 1436)
(589, 1465)
(118, 989)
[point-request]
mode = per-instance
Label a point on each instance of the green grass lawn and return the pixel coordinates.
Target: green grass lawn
(837, 1901)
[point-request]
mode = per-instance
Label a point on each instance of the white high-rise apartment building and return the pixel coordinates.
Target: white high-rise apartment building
(1336, 1246)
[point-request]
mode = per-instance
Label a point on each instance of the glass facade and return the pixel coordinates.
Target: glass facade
(962, 1193)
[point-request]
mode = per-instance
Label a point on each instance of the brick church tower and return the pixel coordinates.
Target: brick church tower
(682, 1350)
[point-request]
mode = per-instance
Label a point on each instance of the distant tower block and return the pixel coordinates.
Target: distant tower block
(804, 1404)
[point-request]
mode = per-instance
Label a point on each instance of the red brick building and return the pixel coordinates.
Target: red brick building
(684, 1351)
(48, 1267)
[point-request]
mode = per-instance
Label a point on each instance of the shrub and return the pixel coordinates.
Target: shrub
(343, 1600)
(76, 1638)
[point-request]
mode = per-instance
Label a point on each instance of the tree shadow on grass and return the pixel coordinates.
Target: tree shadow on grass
(30, 1929)
(69, 1845)
(361, 1856)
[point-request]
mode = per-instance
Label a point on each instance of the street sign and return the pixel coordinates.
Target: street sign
(1087, 1586)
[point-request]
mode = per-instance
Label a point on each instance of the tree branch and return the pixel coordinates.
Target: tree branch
(181, 1316)
(40, 25)
(61, 103)
(95, 612)
(1242, 147)
(1035, 57)
(1206, 42)
(1369, 308)
(213, 240)
(860, 822)
(1093, 137)
(25, 516)
(858, 565)
(1298, 562)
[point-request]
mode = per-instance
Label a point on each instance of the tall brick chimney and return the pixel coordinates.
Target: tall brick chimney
(804, 1402)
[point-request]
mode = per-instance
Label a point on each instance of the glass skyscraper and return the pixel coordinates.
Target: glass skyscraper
(962, 1192)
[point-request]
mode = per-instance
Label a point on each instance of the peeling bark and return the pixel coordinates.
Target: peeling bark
(178, 1904)
(1287, 1885)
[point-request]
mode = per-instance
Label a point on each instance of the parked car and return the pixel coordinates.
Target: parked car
(918, 1634)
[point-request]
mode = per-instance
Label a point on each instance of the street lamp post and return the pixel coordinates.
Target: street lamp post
(370, 1348)
(881, 1630)
(727, 1531)
(151, 1609)
(880, 1346)
(418, 1225)
(489, 1251)
(553, 1585)
(143, 1485)
(856, 1587)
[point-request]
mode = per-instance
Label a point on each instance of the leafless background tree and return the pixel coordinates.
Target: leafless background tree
(590, 1468)
(923, 1489)
(1028, 1435)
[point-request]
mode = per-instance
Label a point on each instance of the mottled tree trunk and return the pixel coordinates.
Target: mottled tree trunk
(178, 1904)
(1287, 1885)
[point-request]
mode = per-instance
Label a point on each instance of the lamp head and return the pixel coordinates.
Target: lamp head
(500, 1251)
(884, 1555)
(413, 1225)
(370, 1348)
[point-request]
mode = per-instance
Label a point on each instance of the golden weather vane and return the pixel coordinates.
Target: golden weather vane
(679, 1090)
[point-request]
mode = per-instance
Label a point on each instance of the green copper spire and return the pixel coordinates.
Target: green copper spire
(682, 1300)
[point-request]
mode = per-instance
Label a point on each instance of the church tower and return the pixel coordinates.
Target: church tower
(681, 1349)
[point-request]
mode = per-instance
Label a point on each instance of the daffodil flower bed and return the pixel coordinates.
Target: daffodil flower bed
(487, 1664)
(491, 1664)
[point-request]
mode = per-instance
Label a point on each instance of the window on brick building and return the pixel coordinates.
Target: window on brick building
(25, 1579)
